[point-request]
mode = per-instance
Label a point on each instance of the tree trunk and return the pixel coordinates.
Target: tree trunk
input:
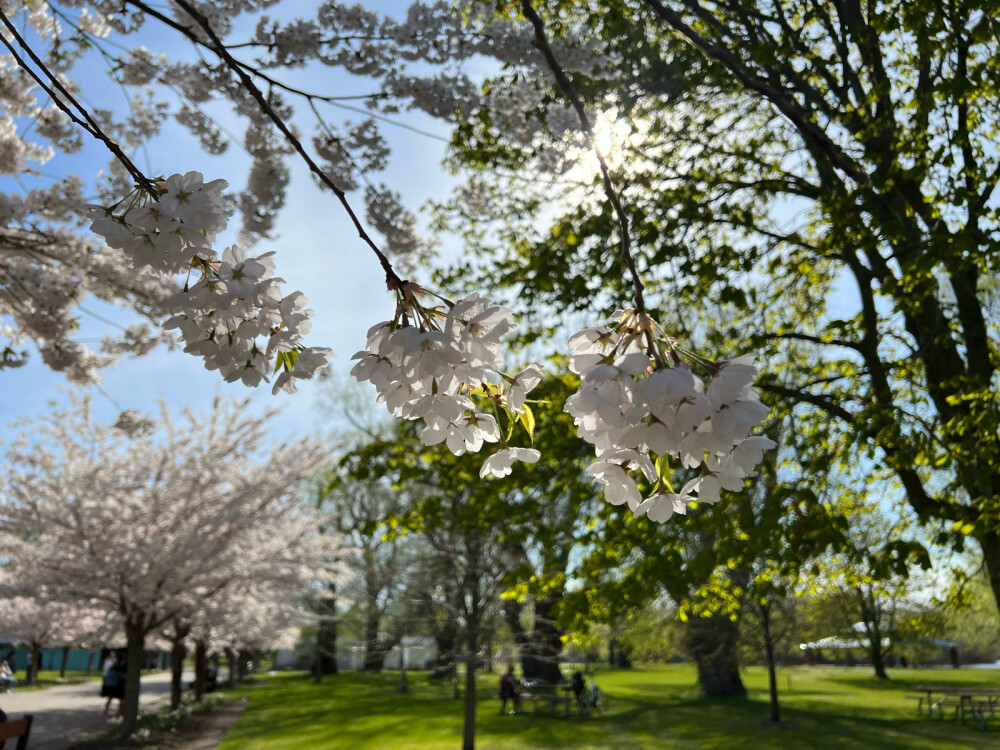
(62, 664)
(872, 615)
(200, 668)
(772, 677)
(231, 660)
(540, 648)
(712, 644)
(135, 637)
(617, 658)
(373, 657)
(31, 670)
(877, 654)
(176, 670)
(326, 635)
(469, 721)
(404, 686)
(990, 544)
(90, 662)
(446, 639)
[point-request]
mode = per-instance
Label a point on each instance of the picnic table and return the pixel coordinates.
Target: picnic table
(978, 703)
(554, 695)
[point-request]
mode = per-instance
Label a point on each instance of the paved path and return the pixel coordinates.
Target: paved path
(66, 714)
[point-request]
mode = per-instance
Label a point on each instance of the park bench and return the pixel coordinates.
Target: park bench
(935, 704)
(20, 729)
(978, 704)
(554, 695)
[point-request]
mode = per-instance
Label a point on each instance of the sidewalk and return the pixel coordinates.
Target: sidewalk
(71, 713)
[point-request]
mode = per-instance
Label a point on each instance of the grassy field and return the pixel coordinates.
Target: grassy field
(49, 677)
(651, 707)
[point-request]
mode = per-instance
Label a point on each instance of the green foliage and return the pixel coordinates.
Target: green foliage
(544, 508)
(652, 634)
(971, 618)
(813, 184)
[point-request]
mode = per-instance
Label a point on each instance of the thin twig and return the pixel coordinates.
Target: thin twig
(542, 43)
(88, 123)
(219, 48)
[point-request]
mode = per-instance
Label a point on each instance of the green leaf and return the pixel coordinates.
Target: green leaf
(527, 418)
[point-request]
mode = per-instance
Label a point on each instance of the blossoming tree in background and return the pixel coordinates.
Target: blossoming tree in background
(42, 624)
(152, 527)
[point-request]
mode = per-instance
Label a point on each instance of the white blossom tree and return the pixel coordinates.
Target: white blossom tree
(45, 624)
(154, 525)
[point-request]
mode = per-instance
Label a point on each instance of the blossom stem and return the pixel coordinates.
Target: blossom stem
(542, 43)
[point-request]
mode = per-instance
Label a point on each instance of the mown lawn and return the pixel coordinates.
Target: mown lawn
(49, 677)
(651, 707)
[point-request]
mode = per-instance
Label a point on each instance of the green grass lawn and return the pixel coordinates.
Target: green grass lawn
(49, 677)
(651, 707)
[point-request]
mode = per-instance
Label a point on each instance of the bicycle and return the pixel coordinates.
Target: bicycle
(594, 701)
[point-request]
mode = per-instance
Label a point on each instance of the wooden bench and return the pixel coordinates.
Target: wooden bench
(554, 695)
(936, 705)
(982, 708)
(979, 704)
(20, 728)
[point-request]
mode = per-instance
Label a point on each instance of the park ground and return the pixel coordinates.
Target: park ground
(651, 707)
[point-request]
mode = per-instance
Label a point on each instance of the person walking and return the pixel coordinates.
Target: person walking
(113, 681)
(7, 679)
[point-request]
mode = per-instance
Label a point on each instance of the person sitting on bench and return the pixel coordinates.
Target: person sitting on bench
(510, 689)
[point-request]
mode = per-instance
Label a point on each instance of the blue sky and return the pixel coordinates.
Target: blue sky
(318, 252)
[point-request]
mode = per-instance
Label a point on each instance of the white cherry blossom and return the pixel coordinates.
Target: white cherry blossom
(639, 404)
(500, 463)
(234, 316)
(433, 366)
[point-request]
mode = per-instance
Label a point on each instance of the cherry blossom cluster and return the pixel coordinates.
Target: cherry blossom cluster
(642, 407)
(234, 315)
(434, 364)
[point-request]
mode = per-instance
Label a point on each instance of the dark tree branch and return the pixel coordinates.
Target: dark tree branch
(87, 123)
(542, 43)
(219, 48)
(798, 396)
(818, 142)
(815, 340)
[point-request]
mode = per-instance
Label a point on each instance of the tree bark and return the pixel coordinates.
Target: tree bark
(712, 644)
(990, 544)
(469, 719)
(32, 668)
(616, 657)
(540, 648)
(176, 670)
(446, 639)
(135, 636)
(872, 615)
(326, 636)
(374, 656)
(231, 660)
(200, 668)
(62, 663)
(90, 662)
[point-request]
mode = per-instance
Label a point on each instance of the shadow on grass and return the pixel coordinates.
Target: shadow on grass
(365, 711)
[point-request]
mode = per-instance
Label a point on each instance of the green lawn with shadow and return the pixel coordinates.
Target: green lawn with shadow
(651, 707)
